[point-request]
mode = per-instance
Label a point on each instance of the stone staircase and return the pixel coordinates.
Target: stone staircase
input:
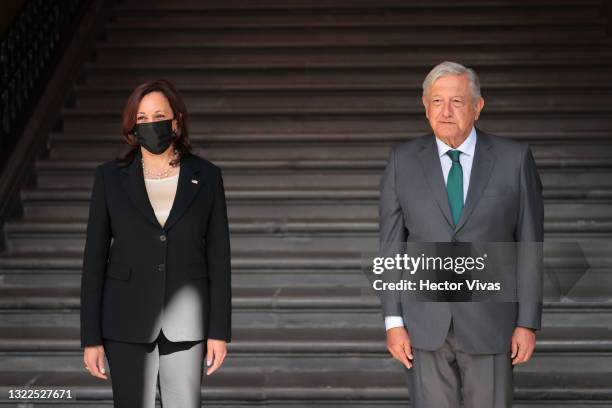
(299, 102)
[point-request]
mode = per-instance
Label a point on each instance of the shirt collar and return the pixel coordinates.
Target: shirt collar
(467, 147)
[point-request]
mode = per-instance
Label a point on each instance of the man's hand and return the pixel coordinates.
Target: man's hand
(215, 354)
(523, 344)
(93, 358)
(398, 344)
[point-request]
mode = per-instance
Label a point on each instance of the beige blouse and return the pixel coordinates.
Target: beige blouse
(161, 195)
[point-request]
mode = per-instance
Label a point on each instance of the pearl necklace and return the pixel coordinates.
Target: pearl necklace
(163, 174)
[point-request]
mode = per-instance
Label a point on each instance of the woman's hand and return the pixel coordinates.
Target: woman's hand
(215, 354)
(93, 357)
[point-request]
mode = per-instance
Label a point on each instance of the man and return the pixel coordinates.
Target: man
(460, 184)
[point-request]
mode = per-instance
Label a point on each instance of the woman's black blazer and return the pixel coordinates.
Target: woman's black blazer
(175, 277)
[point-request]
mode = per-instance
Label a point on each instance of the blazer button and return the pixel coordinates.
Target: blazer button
(162, 238)
(161, 267)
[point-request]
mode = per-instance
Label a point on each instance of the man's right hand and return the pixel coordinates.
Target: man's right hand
(398, 344)
(93, 357)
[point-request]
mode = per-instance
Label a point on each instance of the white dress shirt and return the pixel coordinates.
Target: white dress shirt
(465, 158)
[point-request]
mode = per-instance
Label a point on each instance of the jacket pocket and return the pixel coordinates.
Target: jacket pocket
(118, 271)
(197, 270)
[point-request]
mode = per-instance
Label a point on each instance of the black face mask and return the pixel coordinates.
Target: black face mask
(155, 136)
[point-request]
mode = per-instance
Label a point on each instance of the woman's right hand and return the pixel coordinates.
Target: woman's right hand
(93, 357)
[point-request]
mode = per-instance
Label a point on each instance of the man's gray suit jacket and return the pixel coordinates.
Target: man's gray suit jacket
(504, 204)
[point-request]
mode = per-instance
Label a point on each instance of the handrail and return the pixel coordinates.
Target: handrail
(30, 49)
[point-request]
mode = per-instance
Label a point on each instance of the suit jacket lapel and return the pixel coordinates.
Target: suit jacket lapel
(134, 185)
(188, 186)
(430, 161)
(482, 167)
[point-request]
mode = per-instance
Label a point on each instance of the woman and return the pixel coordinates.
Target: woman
(149, 300)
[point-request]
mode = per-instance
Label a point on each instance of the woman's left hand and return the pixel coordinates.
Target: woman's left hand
(216, 352)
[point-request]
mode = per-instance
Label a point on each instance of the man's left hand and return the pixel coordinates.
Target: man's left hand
(523, 344)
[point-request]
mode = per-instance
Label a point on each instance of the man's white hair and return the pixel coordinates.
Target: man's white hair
(452, 68)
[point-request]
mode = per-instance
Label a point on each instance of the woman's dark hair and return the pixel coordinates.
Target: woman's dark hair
(181, 142)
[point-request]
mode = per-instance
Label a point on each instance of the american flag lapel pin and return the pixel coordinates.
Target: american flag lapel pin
(194, 181)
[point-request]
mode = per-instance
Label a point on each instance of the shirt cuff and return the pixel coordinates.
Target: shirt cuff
(393, 321)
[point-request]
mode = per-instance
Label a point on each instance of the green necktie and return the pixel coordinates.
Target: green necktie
(454, 185)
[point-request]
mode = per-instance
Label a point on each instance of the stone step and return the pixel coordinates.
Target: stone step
(184, 36)
(342, 174)
(91, 98)
(580, 263)
(579, 316)
(326, 59)
(324, 390)
(440, 5)
(70, 146)
(343, 58)
(299, 176)
(591, 286)
(287, 234)
(580, 362)
(277, 307)
(566, 251)
(257, 313)
(104, 151)
(200, 141)
(377, 107)
(306, 211)
(105, 147)
(373, 165)
(344, 121)
(294, 350)
(588, 184)
(355, 17)
(247, 271)
(312, 196)
(367, 342)
(163, 8)
(359, 68)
